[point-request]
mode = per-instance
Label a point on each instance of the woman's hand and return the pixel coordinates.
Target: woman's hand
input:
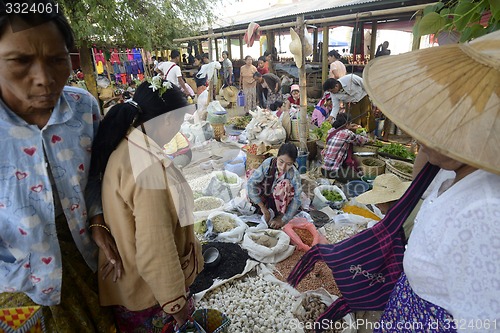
(107, 245)
(277, 223)
(266, 213)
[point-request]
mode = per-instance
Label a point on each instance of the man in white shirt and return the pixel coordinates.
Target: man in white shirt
(171, 71)
(350, 90)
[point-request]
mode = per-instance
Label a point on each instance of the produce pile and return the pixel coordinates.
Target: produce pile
(240, 122)
(227, 179)
(314, 307)
(253, 304)
(206, 203)
(322, 132)
(404, 168)
(332, 196)
(398, 150)
(233, 262)
(223, 223)
(335, 234)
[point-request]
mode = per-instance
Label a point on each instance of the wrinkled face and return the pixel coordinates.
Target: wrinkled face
(34, 67)
(248, 61)
(284, 163)
(295, 94)
(260, 63)
(439, 159)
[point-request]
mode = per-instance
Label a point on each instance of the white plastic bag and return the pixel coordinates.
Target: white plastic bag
(320, 201)
(234, 235)
(272, 135)
(267, 246)
(225, 185)
(241, 205)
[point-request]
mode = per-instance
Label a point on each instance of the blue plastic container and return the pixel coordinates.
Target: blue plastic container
(302, 162)
(241, 99)
(356, 187)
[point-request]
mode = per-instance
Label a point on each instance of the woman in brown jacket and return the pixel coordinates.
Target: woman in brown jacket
(148, 208)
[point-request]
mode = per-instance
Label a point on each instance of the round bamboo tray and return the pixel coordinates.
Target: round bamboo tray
(394, 167)
(372, 167)
(219, 131)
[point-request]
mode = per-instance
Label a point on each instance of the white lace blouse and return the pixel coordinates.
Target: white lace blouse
(453, 254)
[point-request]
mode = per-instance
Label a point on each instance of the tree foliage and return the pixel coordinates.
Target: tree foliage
(150, 24)
(463, 16)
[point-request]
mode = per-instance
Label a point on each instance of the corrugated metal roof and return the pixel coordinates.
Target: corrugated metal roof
(278, 11)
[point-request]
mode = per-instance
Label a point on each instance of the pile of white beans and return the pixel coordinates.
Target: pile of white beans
(254, 305)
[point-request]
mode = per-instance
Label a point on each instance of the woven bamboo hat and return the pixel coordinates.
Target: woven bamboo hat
(230, 93)
(386, 187)
(447, 97)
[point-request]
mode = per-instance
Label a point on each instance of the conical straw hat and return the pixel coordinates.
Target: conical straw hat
(230, 93)
(386, 187)
(446, 97)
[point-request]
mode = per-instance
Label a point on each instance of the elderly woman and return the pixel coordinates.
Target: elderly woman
(450, 279)
(50, 207)
(148, 208)
(276, 186)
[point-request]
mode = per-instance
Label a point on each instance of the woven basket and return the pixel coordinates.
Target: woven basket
(372, 170)
(367, 148)
(219, 131)
(254, 161)
(391, 167)
(106, 93)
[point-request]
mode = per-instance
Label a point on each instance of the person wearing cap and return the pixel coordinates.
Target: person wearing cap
(350, 90)
(338, 160)
(451, 264)
(272, 83)
(387, 189)
(294, 97)
(337, 68)
(276, 186)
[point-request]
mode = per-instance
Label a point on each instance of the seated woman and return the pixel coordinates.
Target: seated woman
(275, 185)
(322, 110)
(178, 149)
(294, 97)
(337, 155)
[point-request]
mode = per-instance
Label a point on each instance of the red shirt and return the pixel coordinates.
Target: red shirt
(292, 101)
(263, 70)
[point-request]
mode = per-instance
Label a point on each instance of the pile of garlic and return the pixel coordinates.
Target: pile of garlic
(254, 305)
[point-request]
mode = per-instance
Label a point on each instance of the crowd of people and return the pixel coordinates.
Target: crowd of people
(97, 223)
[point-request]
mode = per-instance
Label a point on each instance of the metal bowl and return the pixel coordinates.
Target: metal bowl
(212, 257)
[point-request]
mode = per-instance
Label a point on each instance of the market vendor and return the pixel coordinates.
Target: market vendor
(322, 110)
(349, 90)
(339, 162)
(179, 150)
(294, 97)
(276, 186)
(272, 83)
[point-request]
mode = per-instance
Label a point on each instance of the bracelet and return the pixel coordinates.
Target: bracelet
(100, 225)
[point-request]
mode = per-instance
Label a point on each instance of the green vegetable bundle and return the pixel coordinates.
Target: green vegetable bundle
(332, 196)
(398, 150)
(321, 132)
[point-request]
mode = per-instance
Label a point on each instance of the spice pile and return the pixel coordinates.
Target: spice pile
(320, 276)
(305, 236)
(360, 211)
(222, 223)
(207, 203)
(335, 233)
(233, 262)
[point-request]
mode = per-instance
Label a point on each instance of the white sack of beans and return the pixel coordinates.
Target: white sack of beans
(267, 246)
(254, 305)
(204, 206)
(225, 227)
